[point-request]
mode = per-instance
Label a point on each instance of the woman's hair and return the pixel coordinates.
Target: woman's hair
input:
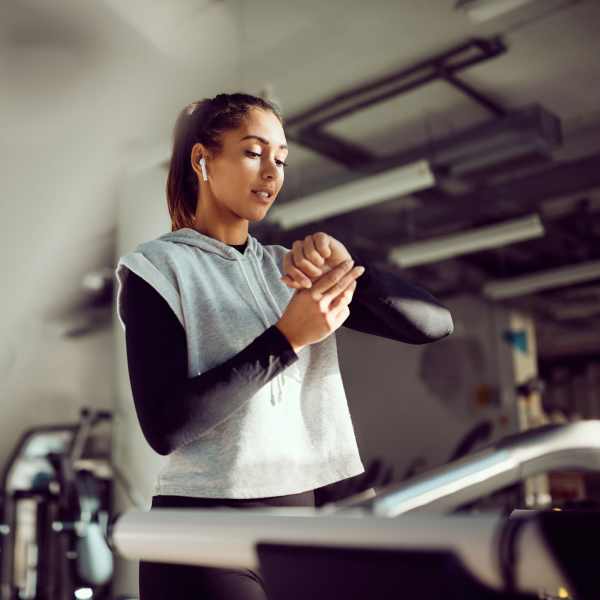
(203, 122)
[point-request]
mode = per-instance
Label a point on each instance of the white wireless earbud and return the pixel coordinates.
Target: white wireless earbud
(202, 164)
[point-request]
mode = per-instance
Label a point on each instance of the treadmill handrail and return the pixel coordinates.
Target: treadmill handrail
(227, 538)
(574, 446)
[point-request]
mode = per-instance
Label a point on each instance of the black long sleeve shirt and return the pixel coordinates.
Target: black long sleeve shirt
(383, 305)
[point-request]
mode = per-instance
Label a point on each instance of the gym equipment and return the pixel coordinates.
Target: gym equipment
(55, 512)
(402, 542)
(575, 446)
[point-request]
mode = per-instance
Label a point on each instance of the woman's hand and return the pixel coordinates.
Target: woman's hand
(311, 258)
(312, 315)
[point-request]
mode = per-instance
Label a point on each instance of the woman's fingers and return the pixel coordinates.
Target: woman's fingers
(333, 289)
(322, 243)
(330, 279)
(344, 298)
(311, 253)
(334, 282)
(291, 283)
(297, 278)
(341, 286)
(340, 315)
(305, 262)
(302, 262)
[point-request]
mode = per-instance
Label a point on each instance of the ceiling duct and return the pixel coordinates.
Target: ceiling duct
(523, 136)
(312, 128)
(527, 135)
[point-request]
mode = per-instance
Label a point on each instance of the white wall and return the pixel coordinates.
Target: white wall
(398, 417)
(47, 378)
(142, 215)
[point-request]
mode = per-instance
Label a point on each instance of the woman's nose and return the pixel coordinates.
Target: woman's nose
(270, 171)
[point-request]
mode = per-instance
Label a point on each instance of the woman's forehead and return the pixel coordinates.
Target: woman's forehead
(263, 124)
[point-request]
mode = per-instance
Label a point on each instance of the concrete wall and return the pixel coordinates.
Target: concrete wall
(142, 215)
(47, 378)
(416, 402)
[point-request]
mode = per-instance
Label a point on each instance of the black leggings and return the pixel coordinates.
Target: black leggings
(163, 581)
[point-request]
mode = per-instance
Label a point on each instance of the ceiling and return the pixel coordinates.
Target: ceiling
(91, 90)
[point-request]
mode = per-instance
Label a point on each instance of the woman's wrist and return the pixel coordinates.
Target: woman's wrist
(284, 331)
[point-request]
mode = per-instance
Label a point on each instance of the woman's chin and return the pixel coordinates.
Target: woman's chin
(257, 215)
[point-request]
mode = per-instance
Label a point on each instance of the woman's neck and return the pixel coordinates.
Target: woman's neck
(234, 233)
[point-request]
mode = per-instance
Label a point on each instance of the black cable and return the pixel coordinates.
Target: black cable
(507, 551)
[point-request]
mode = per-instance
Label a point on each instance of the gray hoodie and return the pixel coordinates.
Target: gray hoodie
(296, 433)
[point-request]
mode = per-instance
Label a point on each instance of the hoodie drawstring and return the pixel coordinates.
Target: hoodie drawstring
(194, 238)
(278, 378)
(278, 312)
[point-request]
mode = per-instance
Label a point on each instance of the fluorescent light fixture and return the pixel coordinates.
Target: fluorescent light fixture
(369, 190)
(484, 10)
(543, 280)
(492, 236)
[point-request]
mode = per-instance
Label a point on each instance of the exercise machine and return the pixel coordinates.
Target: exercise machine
(55, 508)
(406, 541)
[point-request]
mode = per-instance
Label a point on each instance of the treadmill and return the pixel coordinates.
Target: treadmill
(406, 540)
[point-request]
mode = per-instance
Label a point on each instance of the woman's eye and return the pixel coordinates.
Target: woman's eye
(280, 162)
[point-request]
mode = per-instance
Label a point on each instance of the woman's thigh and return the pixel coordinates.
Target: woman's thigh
(160, 581)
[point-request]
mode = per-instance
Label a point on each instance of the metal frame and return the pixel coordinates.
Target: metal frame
(574, 446)
(307, 127)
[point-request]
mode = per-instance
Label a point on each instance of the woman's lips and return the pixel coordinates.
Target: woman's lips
(263, 199)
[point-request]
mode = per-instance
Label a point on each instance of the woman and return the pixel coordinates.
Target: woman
(232, 362)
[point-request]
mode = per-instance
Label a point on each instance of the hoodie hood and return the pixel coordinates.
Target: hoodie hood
(191, 237)
(249, 267)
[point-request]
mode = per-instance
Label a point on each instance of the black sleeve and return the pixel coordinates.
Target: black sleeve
(172, 408)
(386, 305)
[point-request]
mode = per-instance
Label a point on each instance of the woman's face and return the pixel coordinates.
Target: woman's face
(252, 159)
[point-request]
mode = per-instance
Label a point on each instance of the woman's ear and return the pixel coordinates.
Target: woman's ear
(198, 151)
